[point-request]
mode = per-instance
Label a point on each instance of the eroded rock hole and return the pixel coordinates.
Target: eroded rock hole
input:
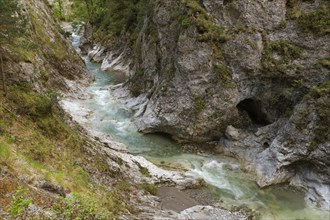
(255, 111)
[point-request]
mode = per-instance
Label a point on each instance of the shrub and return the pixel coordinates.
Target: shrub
(30, 103)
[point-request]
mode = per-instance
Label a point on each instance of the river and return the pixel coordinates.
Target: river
(226, 181)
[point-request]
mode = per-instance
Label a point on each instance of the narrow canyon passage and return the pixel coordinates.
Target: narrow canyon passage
(231, 186)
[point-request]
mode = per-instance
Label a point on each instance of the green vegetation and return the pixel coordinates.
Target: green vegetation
(200, 104)
(206, 26)
(112, 18)
(321, 95)
(325, 62)
(19, 203)
(58, 9)
(182, 17)
(285, 51)
(12, 24)
(143, 170)
(284, 48)
(292, 8)
(79, 206)
(318, 21)
(302, 121)
(223, 74)
(320, 98)
(149, 188)
(35, 141)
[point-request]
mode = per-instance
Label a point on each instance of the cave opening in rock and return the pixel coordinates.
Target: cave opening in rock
(255, 111)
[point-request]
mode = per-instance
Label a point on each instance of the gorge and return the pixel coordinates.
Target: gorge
(221, 94)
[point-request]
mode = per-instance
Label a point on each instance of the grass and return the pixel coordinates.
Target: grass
(19, 203)
(149, 188)
(278, 55)
(143, 170)
(35, 142)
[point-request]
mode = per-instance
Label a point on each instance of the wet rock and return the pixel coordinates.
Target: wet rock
(248, 90)
(287, 151)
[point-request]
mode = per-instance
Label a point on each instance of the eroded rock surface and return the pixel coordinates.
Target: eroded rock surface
(251, 65)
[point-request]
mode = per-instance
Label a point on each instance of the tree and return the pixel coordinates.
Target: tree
(11, 26)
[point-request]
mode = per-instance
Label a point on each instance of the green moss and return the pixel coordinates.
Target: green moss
(200, 104)
(321, 95)
(223, 74)
(183, 18)
(325, 62)
(285, 51)
(318, 21)
(139, 72)
(207, 28)
(301, 122)
(292, 9)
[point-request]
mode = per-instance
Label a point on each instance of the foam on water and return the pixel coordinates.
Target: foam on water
(232, 186)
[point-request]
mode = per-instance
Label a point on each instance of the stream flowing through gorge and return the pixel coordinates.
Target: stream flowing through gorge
(226, 181)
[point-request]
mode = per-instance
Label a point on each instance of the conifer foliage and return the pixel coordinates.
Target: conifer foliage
(12, 25)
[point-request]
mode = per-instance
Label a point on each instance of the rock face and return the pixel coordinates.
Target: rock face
(254, 73)
(196, 87)
(46, 59)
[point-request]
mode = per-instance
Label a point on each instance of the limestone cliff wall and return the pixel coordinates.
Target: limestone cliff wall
(251, 73)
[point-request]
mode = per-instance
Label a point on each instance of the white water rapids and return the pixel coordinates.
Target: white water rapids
(226, 180)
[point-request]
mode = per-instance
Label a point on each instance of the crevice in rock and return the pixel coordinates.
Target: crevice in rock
(255, 110)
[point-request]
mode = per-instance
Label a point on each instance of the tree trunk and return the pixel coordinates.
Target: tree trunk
(3, 76)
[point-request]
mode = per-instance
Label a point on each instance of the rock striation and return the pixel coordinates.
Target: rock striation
(253, 74)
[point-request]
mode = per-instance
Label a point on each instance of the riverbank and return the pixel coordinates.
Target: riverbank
(99, 111)
(141, 170)
(136, 167)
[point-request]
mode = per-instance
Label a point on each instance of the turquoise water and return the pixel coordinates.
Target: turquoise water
(227, 181)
